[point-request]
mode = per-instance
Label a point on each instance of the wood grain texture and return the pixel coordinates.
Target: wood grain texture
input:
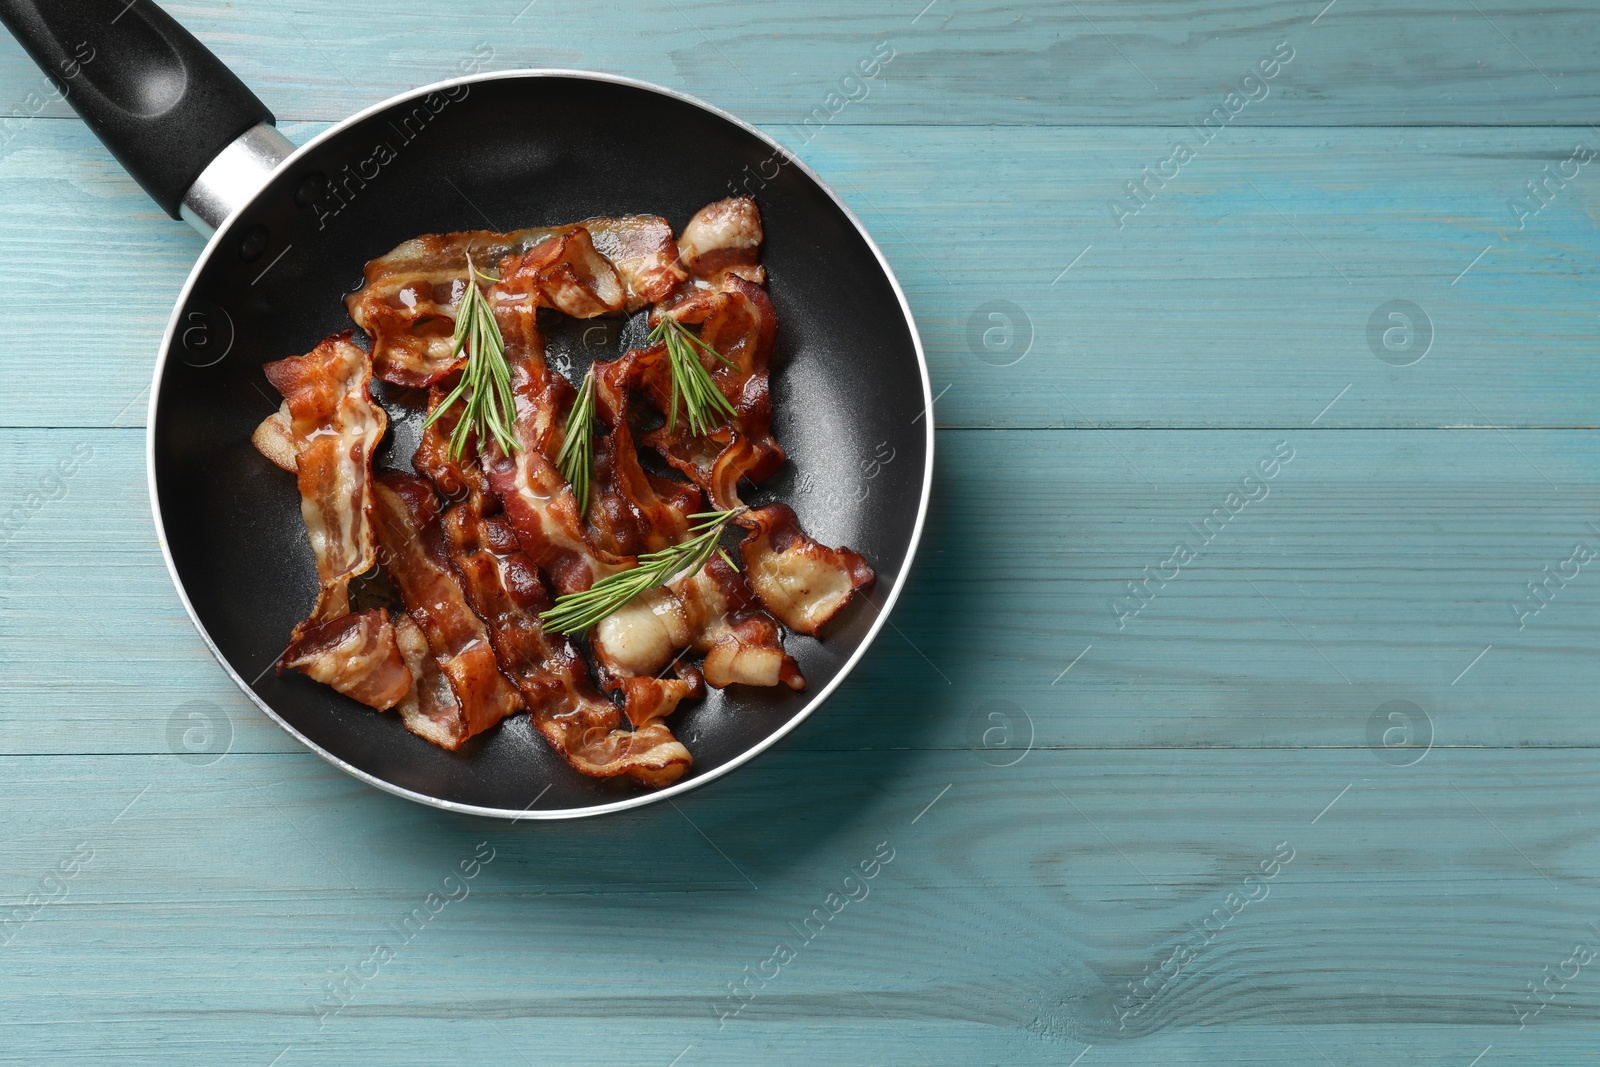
(1014, 910)
(1165, 62)
(1074, 776)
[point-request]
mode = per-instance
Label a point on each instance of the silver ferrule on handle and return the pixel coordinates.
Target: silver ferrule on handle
(239, 172)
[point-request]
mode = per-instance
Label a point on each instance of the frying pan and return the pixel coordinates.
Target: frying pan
(289, 232)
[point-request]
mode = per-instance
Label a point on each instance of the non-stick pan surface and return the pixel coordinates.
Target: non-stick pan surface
(506, 151)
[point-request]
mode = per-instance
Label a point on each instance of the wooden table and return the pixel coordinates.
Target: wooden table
(1317, 788)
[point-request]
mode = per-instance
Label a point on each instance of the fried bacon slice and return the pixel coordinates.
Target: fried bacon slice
(503, 587)
(741, 642)
(750, 652)
(580, 724)
(430, 709)
(407, 303)
(644, 252)
(642, 637)
(357, 655)
(334, 425)
(804, 584)
(631, 511)
(541, 509)
(567, 273)
(537, 500)
(737, 322)
(455, 478)
(649, 700)
(415, 561)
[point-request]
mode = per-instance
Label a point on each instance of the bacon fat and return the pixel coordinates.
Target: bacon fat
(804, 584)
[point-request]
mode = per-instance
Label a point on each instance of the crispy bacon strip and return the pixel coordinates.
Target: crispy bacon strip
(740, 324)
(415, 561)
(644, 252)
(567, 273)
(631, 511)
(335, 425)
(582, 726)
(803, 583)
(357, 655)
(741, 641)
(408, 301)
(537, 499)
(430, 710)
(750, 652)
(455, 478)
(642, 636)
(504, 589)
(649, 700)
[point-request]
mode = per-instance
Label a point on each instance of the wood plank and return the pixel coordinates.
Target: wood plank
(1100, 61)
(1072, 796)
(1244, 292)
(1376, 569)
(218, 901)
(1242, 295)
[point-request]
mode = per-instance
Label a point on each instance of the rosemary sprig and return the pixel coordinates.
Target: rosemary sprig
(576, 612)
(485, 387)
(703, 402)
(575, 457)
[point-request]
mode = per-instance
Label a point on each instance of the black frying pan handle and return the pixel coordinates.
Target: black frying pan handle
(155, 96)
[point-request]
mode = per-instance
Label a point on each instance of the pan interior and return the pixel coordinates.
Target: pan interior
(503, 154)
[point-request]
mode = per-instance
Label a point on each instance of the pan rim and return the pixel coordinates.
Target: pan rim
(224, 231)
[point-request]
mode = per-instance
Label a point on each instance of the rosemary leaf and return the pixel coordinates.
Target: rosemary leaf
(703, 403)
(576, 612)
(484, 391)
(575, 457)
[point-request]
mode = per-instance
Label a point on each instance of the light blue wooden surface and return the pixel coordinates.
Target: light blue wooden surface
(1070, 788)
